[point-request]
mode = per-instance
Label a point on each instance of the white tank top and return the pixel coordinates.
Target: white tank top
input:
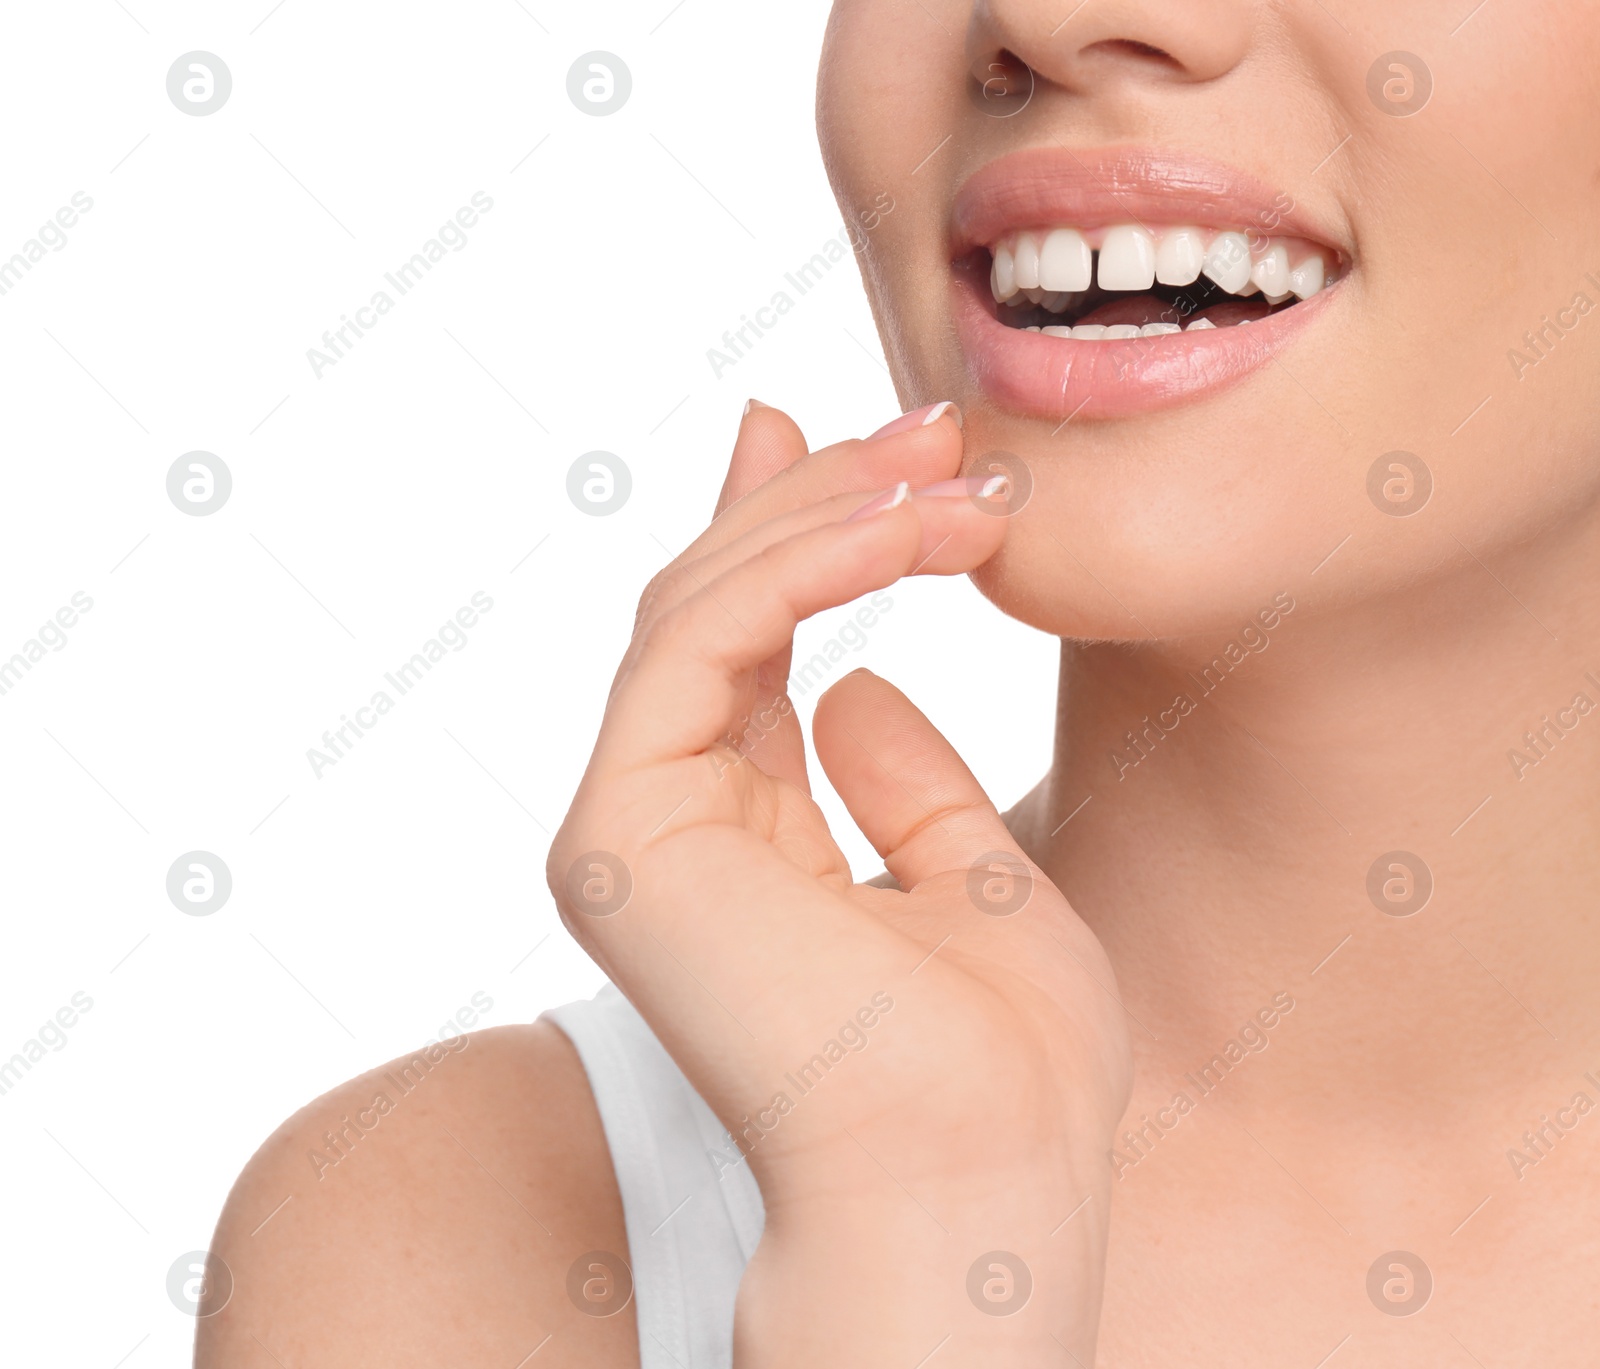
(691, 1205)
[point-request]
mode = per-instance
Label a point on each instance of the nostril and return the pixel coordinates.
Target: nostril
(1132, 47)
(1004, 70)
(1002, 85)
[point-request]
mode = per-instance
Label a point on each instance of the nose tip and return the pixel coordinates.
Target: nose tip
(1012, 44)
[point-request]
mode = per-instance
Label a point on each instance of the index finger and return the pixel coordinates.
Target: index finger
(921, 447)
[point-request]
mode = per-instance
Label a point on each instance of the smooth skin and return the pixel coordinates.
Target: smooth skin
(997, 1025)
(1225, 872)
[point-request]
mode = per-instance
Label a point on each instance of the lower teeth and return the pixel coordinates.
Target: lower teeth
(1157, 312)
(1116, 332)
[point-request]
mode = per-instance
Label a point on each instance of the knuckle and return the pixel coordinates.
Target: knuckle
(775, 556)
(674, 629)
(555, 866)
(565, 851)
(647, 601)
(667, 587)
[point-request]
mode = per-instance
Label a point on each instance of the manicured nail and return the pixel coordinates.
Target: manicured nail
(750, 404)
(889, 499)
(968, 486)
(919, 418)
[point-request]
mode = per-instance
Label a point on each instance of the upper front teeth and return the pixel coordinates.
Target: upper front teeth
(1065, 260)
(1058, 261)
(1025, 259)
(1127, 258)
(1180, 255)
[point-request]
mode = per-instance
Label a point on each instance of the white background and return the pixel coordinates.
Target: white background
(368, 505)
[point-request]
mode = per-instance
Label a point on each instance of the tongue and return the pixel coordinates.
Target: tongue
(1142, 309)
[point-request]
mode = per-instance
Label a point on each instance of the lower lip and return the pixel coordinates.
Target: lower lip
(1050, 377)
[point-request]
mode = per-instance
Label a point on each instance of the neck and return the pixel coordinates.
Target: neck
(1217, 809)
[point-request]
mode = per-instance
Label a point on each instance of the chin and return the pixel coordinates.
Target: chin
(1165, 526)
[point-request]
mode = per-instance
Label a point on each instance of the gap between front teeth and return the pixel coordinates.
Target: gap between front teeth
(1047, 264)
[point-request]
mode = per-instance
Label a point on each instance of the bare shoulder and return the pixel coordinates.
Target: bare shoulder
(430, 1212)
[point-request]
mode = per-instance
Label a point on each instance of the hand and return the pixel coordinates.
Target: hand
(919, 1076)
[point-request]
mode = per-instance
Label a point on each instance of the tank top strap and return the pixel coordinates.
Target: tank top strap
(691, 1205)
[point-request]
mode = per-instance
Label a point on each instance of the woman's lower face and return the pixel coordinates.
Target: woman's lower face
(1233, 282)
(1315, 291)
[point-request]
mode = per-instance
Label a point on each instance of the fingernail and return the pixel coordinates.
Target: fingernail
(919, 418)
(968, 486)
(889, 499)
(750, 404)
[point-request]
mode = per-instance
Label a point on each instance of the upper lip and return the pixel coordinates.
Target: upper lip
(1086, 188)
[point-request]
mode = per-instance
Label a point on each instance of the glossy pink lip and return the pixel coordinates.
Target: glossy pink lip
(1056, 377)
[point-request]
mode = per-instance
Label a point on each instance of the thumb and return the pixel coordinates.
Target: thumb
(769, 441)
(905, 786)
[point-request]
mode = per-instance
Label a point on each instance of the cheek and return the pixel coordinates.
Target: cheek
(856, 95)
(889, 106)
(1482, 360)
